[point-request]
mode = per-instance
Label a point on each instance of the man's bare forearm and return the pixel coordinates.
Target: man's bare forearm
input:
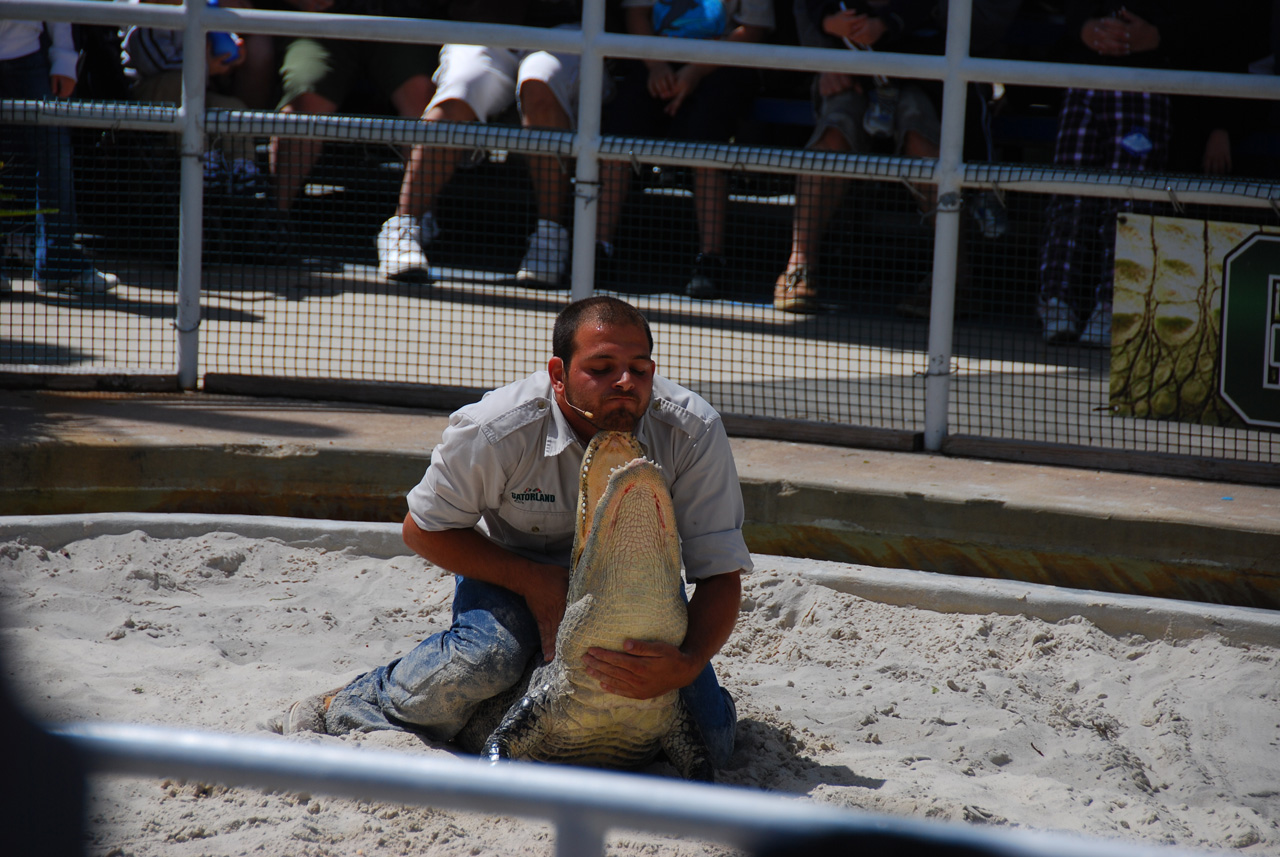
(713, 613)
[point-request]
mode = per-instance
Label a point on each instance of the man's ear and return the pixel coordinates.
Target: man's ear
(555, 368)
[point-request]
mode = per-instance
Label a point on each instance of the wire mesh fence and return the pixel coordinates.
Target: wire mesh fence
(293, 285)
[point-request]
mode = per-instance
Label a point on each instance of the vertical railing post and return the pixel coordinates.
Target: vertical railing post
(587, 152)
(191, 205)
(946, 244)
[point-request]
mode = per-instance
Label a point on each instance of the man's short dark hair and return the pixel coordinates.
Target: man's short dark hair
(601, 309)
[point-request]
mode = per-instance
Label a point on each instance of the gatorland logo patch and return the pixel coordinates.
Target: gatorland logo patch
(532, 495)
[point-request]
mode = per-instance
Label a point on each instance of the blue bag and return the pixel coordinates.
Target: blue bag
(690, 19)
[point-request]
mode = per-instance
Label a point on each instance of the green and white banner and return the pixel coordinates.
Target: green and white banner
(1195, 331)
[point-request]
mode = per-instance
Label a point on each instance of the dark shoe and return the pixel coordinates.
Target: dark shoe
(285, 247)
(606, 264)
(1059, 322)
(918, 304)
(1097, 331)
(708, 272)
(795, 292)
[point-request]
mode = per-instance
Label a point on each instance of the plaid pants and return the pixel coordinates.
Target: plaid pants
(1098, 129)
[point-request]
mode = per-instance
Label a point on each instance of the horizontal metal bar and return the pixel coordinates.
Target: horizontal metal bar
(595, 800)
(1113, 77)
(766, 160)
(473, 135)
(113, 14)
(1178, 189)
(771, 56)
(130, 115)
(287, 23)
(420, 31)
(368, 129)
(433, 31)
(1030, 179)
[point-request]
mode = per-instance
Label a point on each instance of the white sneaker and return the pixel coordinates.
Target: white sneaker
(400, 255)
(548, 256)
(1059, 321)
(1097, 332)
(90, 281)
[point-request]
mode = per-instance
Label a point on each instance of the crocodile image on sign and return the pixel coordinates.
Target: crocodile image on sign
(1167, 318)
(624, 584)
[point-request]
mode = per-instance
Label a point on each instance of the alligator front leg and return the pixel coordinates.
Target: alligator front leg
(522, 729)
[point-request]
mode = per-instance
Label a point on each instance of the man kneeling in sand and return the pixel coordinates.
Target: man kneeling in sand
(496, 508)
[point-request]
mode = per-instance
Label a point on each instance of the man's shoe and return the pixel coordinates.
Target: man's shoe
(796, 292)
(280, 245)
(992, 217)
(606, 264)
(544, 264)
(307, 715)
(708, 273)
(1059, 321)
(400, 255)
(90, 281)
(1097, 331)
(247, 181)
(920, 303)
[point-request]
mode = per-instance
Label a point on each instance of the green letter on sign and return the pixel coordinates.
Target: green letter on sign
(1251, 330)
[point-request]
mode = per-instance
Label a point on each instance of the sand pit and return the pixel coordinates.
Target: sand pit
(974, 717)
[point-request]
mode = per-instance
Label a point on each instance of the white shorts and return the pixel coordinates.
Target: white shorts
(488, 80)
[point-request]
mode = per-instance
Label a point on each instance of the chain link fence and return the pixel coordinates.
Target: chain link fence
(222, 287)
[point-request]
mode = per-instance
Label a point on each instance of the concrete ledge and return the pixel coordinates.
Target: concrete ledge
(1153, 618)
(1166, 537)
(1156, 536)
(57, 531)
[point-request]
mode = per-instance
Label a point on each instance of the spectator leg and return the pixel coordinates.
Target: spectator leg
(817, 198)
(430, 167)
(257, 81)
(1080, 144)
(615, 185)
(916, 146)
(411, 98)
(293, 158)
(539, 108)
(710, 200)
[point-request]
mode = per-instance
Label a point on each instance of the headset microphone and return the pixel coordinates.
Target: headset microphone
(586, 414)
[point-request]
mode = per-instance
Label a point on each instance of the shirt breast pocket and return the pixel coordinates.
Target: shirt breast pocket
(539, 524)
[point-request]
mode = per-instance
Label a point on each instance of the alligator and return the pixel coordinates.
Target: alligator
(624, 584)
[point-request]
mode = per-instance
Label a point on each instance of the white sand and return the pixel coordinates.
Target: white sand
(997, 720)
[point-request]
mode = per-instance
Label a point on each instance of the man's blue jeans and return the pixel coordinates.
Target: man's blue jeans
(49, 148)
(434, 689)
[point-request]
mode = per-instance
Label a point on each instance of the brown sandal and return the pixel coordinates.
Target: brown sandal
(795, 292)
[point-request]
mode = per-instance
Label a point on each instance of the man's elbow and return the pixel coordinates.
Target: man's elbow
(724, 587)
(414, 536)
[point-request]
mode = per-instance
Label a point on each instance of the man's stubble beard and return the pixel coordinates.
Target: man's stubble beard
(613, 421)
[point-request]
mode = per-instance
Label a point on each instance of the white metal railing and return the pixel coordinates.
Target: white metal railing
(583, 805)
(949, 172)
